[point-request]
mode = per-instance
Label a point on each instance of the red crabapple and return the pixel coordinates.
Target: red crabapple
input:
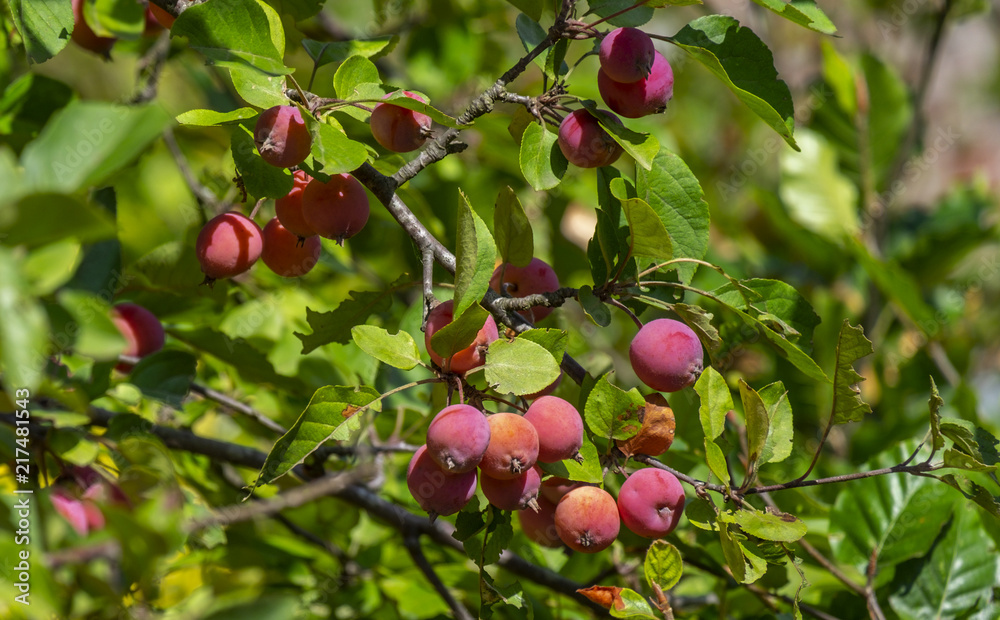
(288, 208)
(458, 437)
(85, 37)
(627, 55)
(559, 427)
(143, 332)
(657, 430)
(437, 491)
(651, 502)
(286, 254)
(513, 446)
(536, 277)
(398, 129)
(587, 519)
(513, 494)
(647, 96)
(666, 355)
(337, 209)
(554, 488)
(540, 526)
(282, 137)
(468, 358)
(228, 245)
(585, 143)
(545, 391)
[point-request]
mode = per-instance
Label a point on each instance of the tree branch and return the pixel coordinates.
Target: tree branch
(411, 540)
(236, 405)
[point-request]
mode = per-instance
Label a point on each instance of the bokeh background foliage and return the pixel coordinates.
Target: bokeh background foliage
(884, 214)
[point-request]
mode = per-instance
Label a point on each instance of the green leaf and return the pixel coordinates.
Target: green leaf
(211, 118)
(86, 142)
(475, 255)
(633, 605)
(95, 334)
(612, 413)
(702, 514)
(326, 52)
(552, 340)
(252, 365)
(774, 527)
(24, 330)
(890, 114)
(744, 63)
(957, 576)
(65, 217)
(663, 565)
(818, 196)
(716, 402)
(332, 151)
(73, 446)
(700, 321)
(399, 98)
(587, 470)
(350, 75)
(673, 192)
(851, 346)
(960, 460)
(512, 230)
(530, 33)
(529, 7)
(461, 332)
(595, 309)
(934, 403)
(261, 179)
(777, 303)
(633, 18)
(542, 163)
(780, 428)
(334, 413)
(165, 375)
(900, 286)
(647, 234)
(897, 516)
(974, 442)
(234, 34)
(519, 366)
(123, 20)
(398, 350)
(758, 427)
(42, 24)
(980, 495)
(732, 551)
(802, 12)
(335, 326)
(643, 147)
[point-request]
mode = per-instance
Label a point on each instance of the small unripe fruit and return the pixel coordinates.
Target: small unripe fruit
(228, 245)
(282, 137)
(286, 254)
(559, 427)
(585, 143)
(288, 208)
(540, 526)
(437, 491)
(666, 355)
(513, 446)
(650, 502)
(513, 494)
(657, 430)
(627, 55)
(458, 437)
(536, 277)
(398, 129)
(587, 519)
(84, 36)
(143, 332)
(337, 209)
(647, 96)
(468, 358)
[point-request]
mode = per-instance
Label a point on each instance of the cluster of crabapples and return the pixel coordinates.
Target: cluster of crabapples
(634, 81)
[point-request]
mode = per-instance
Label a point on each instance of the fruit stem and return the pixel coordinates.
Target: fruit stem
(626, 310)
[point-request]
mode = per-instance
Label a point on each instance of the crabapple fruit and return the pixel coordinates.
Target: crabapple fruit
(513, 494)
(540, 525)
(84, 36)
(627, 55)
(651, 502)
(657, 430)
(143, 332)
(513, 446)
(536, 277)
(545, 391)
(587, 519)
(228, 245)
(337, 209)
(437, 491)
(555, 487)
(458, 437)
(468, 358)
(559, 427)
(585, 143)
(666, 355)
(282, 137)
(647, 96)
(398, 129)
(286, 254)
(288, 208)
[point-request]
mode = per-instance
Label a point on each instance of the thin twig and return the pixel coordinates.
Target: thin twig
(411, 540)
(871, 598)
(236, 405)
(204, 195)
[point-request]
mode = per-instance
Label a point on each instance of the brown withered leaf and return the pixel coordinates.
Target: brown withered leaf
(605, 596)
(657, 431)
(350, 410)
